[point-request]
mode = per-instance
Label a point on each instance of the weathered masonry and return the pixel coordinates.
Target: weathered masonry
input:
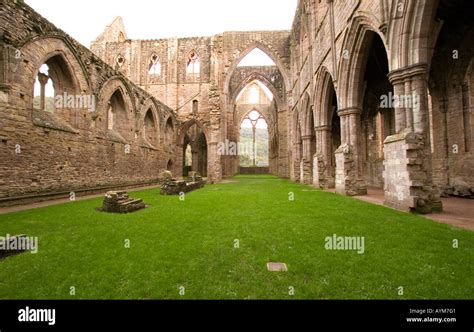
(382, 95)
(361, 93)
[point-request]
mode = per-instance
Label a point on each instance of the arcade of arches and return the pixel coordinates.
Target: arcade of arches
(357, 95)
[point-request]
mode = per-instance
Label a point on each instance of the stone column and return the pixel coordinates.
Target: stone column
(195, 159)
(307, 162)
(214, 166)
(349, 179)
(400, 112)
(179, 162)
(43, 80)
(322, 161)
(297, 162)
(408, 170)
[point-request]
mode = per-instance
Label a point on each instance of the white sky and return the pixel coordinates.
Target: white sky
(84, 20)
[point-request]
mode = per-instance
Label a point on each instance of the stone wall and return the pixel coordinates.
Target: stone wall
(214, 88)
(326, 89)
(430, 61)
(69, 149)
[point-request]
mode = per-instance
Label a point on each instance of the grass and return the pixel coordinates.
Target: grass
(190, 244)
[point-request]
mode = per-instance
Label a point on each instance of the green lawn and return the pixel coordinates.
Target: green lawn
(191, 244)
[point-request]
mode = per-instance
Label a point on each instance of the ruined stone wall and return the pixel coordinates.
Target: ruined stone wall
(451, 89)
(326, 52)
(214, 89)
(70, 149)
(333, 38)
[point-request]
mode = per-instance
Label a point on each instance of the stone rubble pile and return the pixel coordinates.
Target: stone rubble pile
(120, 202)
(176, 187)
(458, 191)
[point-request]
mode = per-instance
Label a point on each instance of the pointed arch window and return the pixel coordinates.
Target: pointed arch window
(150, 128)
(44, 90)
(119, 62)
(154, 67)
(121, 37)
(193, 65)
(169, 132)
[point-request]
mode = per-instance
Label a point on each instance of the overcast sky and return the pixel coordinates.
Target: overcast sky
(84, 20)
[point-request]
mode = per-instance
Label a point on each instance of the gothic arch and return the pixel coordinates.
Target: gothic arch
(354, 55)
(109, 89)
(297, 126)
(169, 131)
(149, 106)
(306, 111)
(322, 90)
(255, 76)
(185, 127)
(413, 34)
(244, 52)
(38, 51)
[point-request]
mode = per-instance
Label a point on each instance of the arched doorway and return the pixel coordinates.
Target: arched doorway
(451, 99)
(194, 153)
(378, 116)
(256, 80)
(169, 166)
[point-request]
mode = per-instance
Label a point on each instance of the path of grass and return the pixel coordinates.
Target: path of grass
(191, 244)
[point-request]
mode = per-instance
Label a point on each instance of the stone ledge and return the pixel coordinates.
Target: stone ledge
(47, 196)
(50, 121)
(403, 135)
(114, 136)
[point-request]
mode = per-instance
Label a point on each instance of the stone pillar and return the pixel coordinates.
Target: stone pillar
(322, 161)
(400, 113)
(296, 176)
(408, 173)
(307, 161)
(349, 179)
(179, 162)
(195, 159)
(43, 80)
(214, 166)
(320, 179)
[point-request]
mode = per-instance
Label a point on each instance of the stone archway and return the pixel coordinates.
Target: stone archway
(194, 149)
(328, 131)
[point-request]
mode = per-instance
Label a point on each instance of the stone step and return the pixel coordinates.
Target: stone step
(122, 201)
(132, 202)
